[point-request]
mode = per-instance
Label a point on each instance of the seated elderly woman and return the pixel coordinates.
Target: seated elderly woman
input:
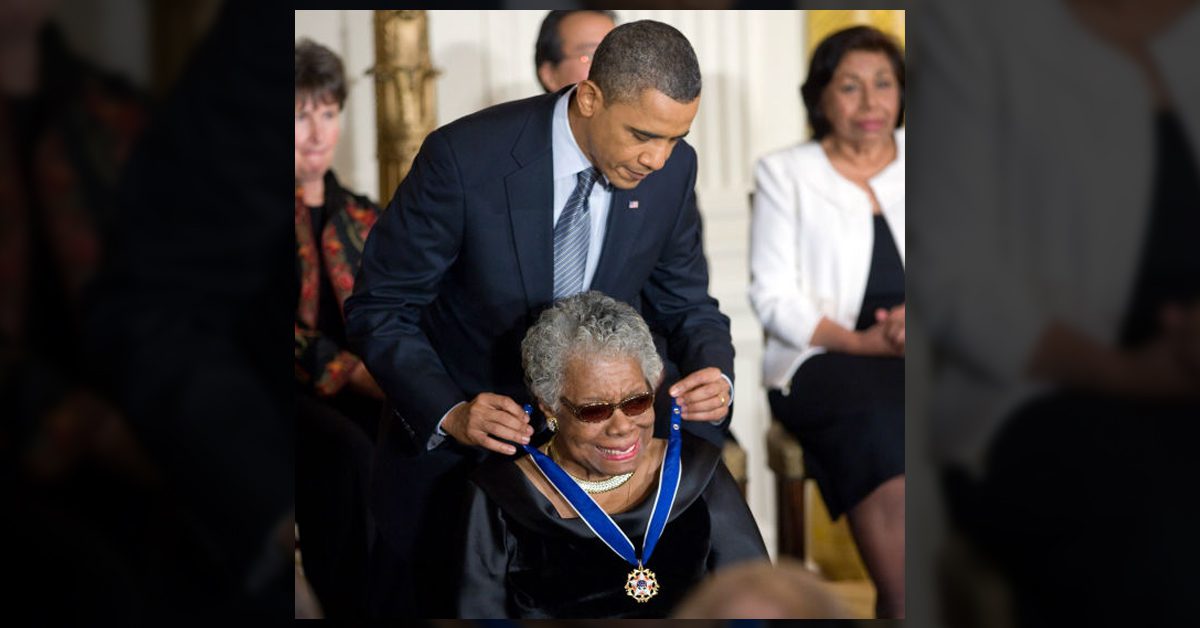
(603, 520)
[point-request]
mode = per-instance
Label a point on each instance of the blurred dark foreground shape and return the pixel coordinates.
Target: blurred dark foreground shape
(145, 435)
(194, 310)
(1057, 205)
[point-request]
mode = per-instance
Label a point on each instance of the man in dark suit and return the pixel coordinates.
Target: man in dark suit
(504, 211)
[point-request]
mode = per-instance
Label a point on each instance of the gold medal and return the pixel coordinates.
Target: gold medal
(642, 584)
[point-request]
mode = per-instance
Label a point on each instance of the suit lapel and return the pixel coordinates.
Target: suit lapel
(530, 200)
(624, 224)
(530, 195)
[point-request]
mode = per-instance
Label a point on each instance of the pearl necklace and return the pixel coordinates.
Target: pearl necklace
(588, 486)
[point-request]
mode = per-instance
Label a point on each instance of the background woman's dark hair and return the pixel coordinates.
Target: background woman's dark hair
(825, 60)
(319, 74)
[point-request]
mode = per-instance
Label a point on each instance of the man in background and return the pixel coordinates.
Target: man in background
(565, 44)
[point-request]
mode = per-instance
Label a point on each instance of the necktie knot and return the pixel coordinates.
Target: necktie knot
(588, 178)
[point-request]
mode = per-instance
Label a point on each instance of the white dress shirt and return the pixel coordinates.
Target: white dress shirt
(569, 161)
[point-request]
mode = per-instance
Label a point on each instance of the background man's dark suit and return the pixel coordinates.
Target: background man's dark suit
(458, 267)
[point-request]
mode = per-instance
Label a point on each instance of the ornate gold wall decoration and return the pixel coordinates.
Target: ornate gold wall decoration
(405, 105)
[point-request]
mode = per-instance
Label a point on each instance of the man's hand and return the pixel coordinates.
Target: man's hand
(703, 395)
(487, 418)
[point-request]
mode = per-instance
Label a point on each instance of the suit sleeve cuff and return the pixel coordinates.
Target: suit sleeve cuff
(730, 382)
(439, 435)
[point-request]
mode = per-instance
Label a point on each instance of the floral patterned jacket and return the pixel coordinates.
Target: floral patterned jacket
(320, 362)
(62, 152)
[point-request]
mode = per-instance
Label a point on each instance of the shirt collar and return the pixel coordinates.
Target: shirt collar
(569, 159)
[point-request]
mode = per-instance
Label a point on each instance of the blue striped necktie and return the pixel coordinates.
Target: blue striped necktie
(571, 235)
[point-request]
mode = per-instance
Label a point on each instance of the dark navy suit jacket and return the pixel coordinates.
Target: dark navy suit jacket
(462, 262)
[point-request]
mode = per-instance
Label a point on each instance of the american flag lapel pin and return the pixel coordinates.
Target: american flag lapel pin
(633, 204)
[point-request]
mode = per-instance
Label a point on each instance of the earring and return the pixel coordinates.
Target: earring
(552, 423)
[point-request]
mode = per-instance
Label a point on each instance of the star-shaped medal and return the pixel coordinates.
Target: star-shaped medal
(642, 584)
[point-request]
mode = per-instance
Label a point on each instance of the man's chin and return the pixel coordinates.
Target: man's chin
(624, 184)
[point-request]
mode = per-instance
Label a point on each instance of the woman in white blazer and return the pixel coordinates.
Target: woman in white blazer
(827, 251)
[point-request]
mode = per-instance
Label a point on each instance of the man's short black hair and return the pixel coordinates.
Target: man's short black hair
(319, 74)
(646, 54)
(549, 47)
(825, 60)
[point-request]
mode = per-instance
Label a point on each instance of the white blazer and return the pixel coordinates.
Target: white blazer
(811, 239)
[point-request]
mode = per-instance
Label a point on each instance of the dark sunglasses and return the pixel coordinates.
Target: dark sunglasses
(600, 411)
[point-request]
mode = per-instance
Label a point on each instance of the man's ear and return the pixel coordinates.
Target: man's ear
(589, 97)
(545, 73)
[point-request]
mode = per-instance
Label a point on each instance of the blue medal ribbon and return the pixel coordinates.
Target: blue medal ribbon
(600, 523)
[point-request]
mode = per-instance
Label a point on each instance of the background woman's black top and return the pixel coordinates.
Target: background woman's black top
(885, 283)
(1170, 265)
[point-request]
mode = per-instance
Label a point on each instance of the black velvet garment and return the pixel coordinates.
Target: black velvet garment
(524, 561)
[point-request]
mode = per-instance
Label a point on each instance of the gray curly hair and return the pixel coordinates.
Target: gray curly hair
(586, 324)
